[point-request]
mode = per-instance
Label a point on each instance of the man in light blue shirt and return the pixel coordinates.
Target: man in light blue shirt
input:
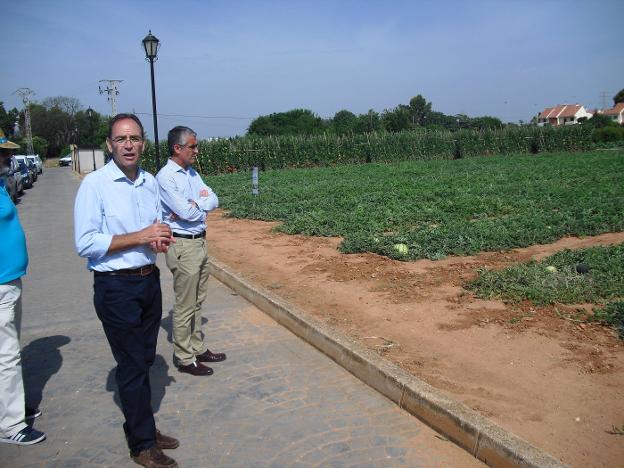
(118, 228)
(186, 200)
(13, 263)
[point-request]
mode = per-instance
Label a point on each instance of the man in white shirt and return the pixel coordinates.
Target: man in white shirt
(186, 200)
(117, 228)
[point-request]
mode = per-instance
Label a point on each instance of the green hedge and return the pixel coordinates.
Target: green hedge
(242, 153)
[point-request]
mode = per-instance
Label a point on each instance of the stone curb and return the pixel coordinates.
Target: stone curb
(476, 434)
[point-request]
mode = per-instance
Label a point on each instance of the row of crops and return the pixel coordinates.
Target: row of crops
(236, 154)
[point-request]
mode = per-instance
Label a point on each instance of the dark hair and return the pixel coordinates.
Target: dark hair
(175, 136)
(119, 117)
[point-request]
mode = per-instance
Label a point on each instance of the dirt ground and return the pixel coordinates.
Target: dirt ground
(555, 382)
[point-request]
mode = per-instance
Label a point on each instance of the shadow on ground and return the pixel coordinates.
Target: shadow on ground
(41, 359)
(159, 380)
(167, 325)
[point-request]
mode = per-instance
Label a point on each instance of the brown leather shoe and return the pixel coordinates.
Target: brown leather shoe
(154, 457)
(197, 368)
(165, 442)
(207, 356)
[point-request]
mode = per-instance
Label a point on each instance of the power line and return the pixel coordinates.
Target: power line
(198, 116)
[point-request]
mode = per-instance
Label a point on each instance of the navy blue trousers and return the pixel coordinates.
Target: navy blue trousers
(130, 308)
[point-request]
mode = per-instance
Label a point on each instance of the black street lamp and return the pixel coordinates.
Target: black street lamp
(91, 136)
(151, 44)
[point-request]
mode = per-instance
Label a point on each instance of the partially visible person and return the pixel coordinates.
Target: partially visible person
(118, 229)
(186, 201)
(13, 264)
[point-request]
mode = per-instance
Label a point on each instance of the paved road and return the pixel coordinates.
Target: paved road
(275, 402)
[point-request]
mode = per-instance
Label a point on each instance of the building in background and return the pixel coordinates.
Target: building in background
(562, 114)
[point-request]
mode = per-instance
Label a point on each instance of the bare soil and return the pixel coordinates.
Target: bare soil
(553, 381)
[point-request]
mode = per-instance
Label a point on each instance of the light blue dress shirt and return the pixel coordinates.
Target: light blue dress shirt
(108, 204)
(178, 188)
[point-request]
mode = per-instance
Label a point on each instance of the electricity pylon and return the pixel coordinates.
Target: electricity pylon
(25, 94)
(112, 92)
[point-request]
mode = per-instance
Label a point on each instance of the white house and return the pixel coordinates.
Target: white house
(562, 114)
(616, 113)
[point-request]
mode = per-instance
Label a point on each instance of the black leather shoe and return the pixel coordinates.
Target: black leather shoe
(197, 368)
(207, 356)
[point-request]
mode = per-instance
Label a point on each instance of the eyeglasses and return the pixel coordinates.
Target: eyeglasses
(134, 139)
(189, 146)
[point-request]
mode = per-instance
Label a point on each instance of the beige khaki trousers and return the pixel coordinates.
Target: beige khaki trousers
(188, 261)
(11, 384)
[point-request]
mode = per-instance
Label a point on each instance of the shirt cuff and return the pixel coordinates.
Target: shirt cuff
(101, 243)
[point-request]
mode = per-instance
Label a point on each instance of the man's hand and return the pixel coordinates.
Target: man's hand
(157, 235)
(156, 232)
(159, 247)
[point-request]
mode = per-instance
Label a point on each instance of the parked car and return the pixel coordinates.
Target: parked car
(13, 180)
(38, 162)
(65, 160)
(30, 165)
(27, 181)
(33, 169)
(17, 176)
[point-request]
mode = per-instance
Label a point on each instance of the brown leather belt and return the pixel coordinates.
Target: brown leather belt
(201, 235)
(145, 270)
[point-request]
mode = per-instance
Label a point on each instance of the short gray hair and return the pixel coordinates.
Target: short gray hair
(178, 136)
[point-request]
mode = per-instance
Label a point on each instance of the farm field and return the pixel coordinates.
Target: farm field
(532, 367)
(440, 208)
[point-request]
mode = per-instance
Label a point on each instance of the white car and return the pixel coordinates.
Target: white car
(65, 160)
(38, 162)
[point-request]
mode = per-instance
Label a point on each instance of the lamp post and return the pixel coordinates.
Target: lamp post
(90, 117)
(151, 45)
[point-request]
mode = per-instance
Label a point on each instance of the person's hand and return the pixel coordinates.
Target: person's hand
(159, 247)
(156, 235)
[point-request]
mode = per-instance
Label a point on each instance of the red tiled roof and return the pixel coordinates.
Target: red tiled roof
(561, 110)
(615, 110)
(570, 110)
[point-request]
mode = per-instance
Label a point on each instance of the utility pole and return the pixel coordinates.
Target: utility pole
(25, 94)
(112, 91)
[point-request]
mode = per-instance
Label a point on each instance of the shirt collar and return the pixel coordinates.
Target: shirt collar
(174, 166)
(116, 174)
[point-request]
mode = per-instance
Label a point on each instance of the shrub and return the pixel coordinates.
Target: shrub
(608, 134)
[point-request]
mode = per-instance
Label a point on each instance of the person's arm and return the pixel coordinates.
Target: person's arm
(208, 200)
(157, 232)
(89, 239)
(171, 196)
(88, 225)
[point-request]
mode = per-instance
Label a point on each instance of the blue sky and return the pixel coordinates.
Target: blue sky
(242, 59)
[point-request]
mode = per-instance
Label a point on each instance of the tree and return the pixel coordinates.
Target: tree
(91, 129)
(419, 110)
(8, 119)
(396, 119)
(67, 104)
(619, 97)
(293, 122)
(487, 122)
(369, 122)
(344, 122)
(600, 121)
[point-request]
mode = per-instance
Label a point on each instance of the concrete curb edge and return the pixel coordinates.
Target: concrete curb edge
(473, 432)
